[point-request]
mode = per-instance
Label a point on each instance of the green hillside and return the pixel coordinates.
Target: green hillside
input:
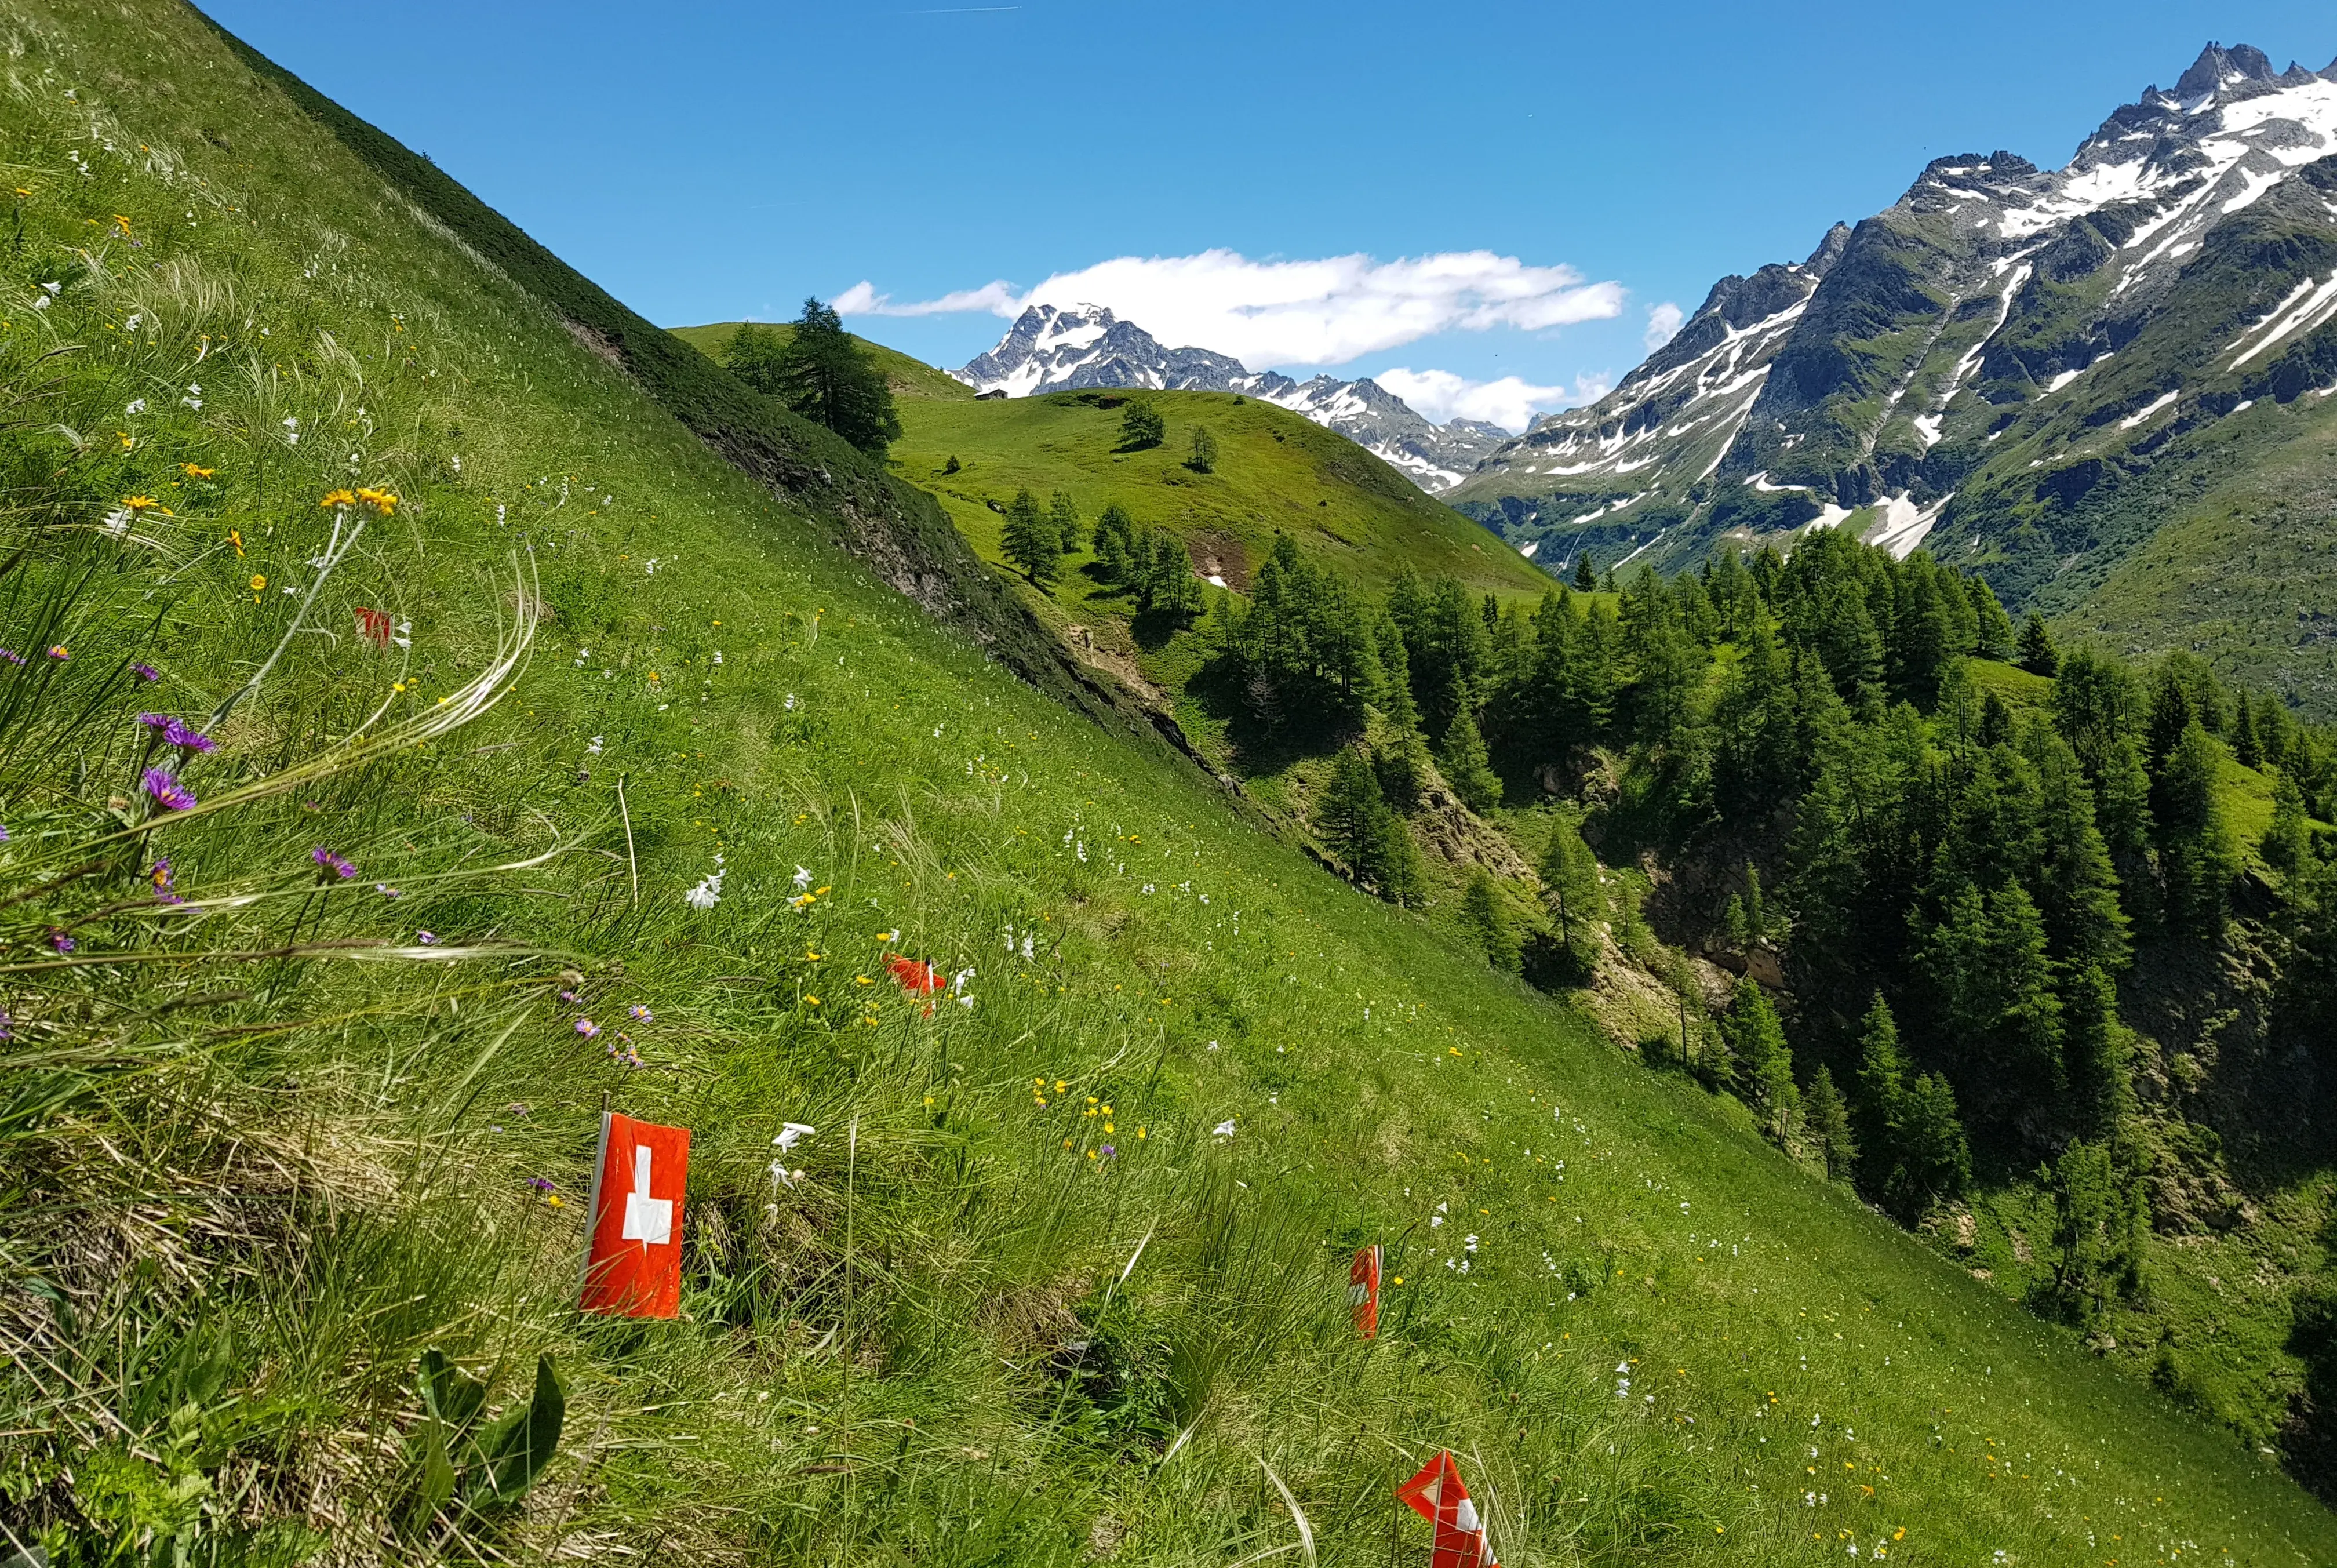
(1276, 472)
(674, 762)
(908, 378)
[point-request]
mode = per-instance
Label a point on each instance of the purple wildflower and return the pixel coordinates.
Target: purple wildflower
(165, 881)
(539, 1183)
(427, 938)
(168, 792)
(4, 835)
(570, 996)
(332, 862)
(145, 672)
(586, 1027)
(60, 941)
(156, 721)
(7, 1025)
(642, 1015)
(59, 652)
(11, 655)
(186, 740)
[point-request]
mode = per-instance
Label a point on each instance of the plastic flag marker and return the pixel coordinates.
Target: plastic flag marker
(1437, 1495)
(1364, 1291)
(632, 1265)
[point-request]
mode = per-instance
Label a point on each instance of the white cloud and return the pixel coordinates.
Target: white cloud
(862, 299)
(1512, 402)
(1663, 320)
(1296, 313)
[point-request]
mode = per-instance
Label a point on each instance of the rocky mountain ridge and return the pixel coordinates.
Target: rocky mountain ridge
(1057, 349)
(2035, 372)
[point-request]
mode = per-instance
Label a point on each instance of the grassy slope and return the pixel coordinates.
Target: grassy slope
(908, 378)
(1373, 1071)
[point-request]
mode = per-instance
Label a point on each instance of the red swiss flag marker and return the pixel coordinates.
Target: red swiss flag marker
(1364, 1291)
(633, 1264)
(1437, 1495)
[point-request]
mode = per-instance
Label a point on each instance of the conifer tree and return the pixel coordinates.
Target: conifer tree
(825, 377)
(1988, 960)
(1115, 532)
(1992, 627)
(1882, 1089)
(1569, 881)
(1141, 426)
(1202, 455)
(1466, 765)
(1586, 575)
(1481, 912)
(1030, 541)
(1764, 1064)
(1934, 1159)
(757, 356)
(2287, 843)
(1348, 817)
(1829, 1123)
(2196, 852)
(2075, 883)
(2097, 1245)
(2245, 745)
(1995, 719)
(2172, 712)
(2038, 656)
(1065, 512)
(1356, 826)
(1396, 862)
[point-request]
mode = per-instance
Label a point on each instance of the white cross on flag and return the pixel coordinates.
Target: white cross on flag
(633, 1264)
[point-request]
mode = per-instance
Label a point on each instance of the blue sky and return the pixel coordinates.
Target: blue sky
(720, 159)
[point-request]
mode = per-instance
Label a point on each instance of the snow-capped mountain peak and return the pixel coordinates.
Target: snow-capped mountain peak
(1932, 370)
(1075, 348)
(1053, 347)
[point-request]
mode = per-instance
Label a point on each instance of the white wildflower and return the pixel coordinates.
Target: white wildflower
(137, 407)
(793, 1134)
(802, 877)
(1223, 1129)
(709, 891)
(593, 748)
(117, 522)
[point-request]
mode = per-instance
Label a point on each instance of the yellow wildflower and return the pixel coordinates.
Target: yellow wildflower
(258, 582)
(381, 501)
(337, 498)
(191, 472)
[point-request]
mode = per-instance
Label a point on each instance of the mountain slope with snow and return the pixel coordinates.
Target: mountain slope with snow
(2045, 374)
(1087, 347)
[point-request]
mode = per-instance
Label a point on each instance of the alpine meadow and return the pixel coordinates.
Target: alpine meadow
(1810, 1052)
